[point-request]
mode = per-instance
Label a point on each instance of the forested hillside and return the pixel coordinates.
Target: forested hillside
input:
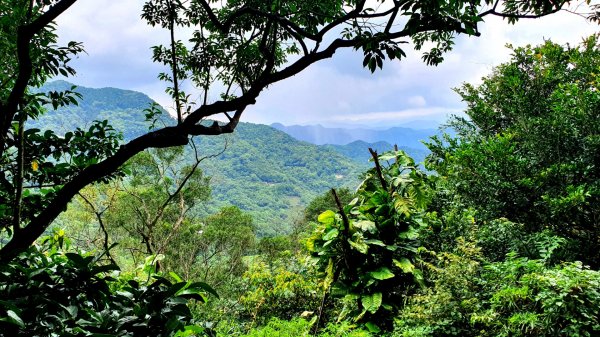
(124, 108)
(271, 175)
(259, 169)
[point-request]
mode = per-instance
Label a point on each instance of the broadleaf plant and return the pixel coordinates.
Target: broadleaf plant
(367, 251)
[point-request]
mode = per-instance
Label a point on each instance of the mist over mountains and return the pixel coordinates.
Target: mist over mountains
(321, 135)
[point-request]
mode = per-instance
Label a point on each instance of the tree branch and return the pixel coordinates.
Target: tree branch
(378, 168)
(24, 35)
(102, 227)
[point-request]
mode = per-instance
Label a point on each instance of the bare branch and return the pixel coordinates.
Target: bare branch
(101, 223)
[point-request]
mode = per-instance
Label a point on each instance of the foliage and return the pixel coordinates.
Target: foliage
(325, 202)
(281, 328)
(529, 151)
(516, 297)
(151, 206)
(51, 291)
(299, 327)
(213, 249)
(444, 308)
(235, 50)
(367, 251)
(532, 300)
(284, 290)
(50, 160)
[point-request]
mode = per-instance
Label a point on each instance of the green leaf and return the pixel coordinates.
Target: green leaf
(175, 277)
(202, 287)
(372, 327)
(327, 217)
(418, 277)
(371, 303)
(387, 156)
(405, 265)
(382, 273)
(375, 242)
(366, 226)
(361, 246)
(14, 319)
(403, 205)
(410, 234)
(331, 234)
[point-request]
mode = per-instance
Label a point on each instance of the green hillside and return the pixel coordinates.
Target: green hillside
(272, 175)
(263, 171)
(124, 108)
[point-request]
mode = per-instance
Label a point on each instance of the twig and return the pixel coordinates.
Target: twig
(99, 217)
(378, 168)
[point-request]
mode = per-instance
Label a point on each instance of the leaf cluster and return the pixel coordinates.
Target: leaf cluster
(49, 291)
(367, 251)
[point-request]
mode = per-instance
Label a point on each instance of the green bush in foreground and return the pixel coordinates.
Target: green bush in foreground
(48, 291)
(517, 297)
(299, 327)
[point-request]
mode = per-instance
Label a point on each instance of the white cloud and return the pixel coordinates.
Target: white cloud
(118, 43)
(418, 101)
(396, 116)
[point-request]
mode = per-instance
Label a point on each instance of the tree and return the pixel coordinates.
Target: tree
(324, 202)
(530, 150)
(158, 197)
(242, 46)
(212, 249)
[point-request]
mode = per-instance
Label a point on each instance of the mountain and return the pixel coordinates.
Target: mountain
(320, 135)
(123, 108)
(272, 175)
(422, 124)
(359, 150)
(264, 171)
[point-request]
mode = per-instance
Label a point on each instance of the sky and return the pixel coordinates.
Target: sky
(335, 92)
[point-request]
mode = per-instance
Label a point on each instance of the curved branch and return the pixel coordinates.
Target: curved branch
(494, 12)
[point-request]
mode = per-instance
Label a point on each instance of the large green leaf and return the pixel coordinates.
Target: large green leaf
(405, 265)
(382, 273)
(371, 302)
(197, 290)
(332, 233)
(372, 327)
(327, 217)
(13, 318)
(366, 226)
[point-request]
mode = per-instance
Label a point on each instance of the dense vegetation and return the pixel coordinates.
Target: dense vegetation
(496, 238)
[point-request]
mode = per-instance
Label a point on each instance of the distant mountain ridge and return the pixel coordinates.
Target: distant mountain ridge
(320, 135)
(359, 150)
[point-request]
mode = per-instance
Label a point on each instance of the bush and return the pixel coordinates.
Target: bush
(517, 297)
(48, 291)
